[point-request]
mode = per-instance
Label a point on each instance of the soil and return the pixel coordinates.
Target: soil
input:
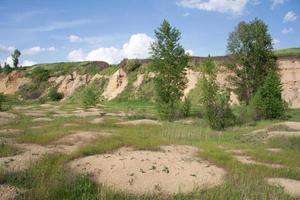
(174, 169)
(290, 186)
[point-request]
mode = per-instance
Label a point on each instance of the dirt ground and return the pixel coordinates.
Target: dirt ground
(152, 171)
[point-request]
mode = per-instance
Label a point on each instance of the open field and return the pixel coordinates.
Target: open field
(62, 151)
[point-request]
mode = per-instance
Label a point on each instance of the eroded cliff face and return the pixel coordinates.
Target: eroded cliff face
(9, 84)
(289, 69)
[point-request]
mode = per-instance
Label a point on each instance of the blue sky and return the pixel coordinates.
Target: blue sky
(69, 30)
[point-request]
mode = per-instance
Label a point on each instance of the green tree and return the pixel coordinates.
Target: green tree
(15, 57)
(250, 44)
(214, 100)
(169, 61)
(6, 68)
(268, 102)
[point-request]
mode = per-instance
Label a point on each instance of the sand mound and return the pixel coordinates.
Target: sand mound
(8, 192)
(291, 125)
(140, 121)
(272, 134)
(42, 119)
(193, 78)
(175, 169)
(290, 186)
(72, 142)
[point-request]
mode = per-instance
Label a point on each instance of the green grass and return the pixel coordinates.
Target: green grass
(8, 150)
(50, 178)
(289, 51)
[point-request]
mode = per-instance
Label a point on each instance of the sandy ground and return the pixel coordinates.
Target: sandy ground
(97, 121)
(193, 78)
(248, 160)
(8, 192)
(290, 186)
(140, 122)
(6, 117)
(174, 169)
(42, 119)
(139, 81)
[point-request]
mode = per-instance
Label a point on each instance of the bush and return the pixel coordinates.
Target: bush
(244, 114)
(53, 95)
(186, 107)
(132, 65)
(268, 102)
(89, 98)
(39, 75)
(2, 100)
(32, 90)
(214, 100)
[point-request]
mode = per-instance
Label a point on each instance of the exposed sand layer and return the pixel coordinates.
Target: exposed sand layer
(42, 119)
(8, 192)
(140, 121)
(172, 170)
(290, 186)
(192, 80)
(139, 81)
(116, 85)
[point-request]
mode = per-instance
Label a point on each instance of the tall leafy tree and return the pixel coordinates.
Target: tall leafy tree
(15, 57)
(250, 44)
(169, 61)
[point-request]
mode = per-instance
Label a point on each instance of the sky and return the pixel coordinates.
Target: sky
(110, 30)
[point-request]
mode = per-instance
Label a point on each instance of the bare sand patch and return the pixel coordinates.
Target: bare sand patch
(236, 151)
(290, 186)
(70, 125)
(248, 160)
(35, 114)
(275, 150)
(6, 117)
(42, 119)
(291, 125)
(172, 170)
(72, 142)
(9, 131)
(186, 121)
(8, 192)
(81, 113)
(140, 122)
(272, 134)
(97, 121)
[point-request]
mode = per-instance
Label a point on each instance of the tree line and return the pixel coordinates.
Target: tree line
(255, 76)
(6, 68)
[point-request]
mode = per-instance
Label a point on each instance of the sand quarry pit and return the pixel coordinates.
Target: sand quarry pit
(173, 169)
(290, 186)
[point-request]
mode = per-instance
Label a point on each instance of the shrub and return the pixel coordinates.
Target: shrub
(39, 75)
(89, 98)
(214, 100)
(268, 102)
(132, 65)
(53, 95)
(2, 100)
(186, 107)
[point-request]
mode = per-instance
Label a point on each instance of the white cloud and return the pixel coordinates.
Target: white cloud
(27, 63)
(276, 3)
(290, 16)
(6, 49)
(9, 61)
(76, 55)
(190, 52)
(137, 47)
(234, 7)
(74, 38)
(186, 14)
(37, 49)
(276, 43)
(287, 30)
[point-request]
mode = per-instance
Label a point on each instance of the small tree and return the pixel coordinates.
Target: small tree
(169, 61)
(214, 100)
(267, 102)
(15, 57)
(250, 44)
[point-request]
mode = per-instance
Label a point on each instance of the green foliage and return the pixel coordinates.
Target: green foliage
(132, 65)
(2, 100)
(15, 57)
(169, 61)
(7, 69)
(251, 46)
(89, 98)
(33, 90)
(267, 102)
(289, 52)
(39, 74)
(186, 107)
(53, 95)
(214, 100)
